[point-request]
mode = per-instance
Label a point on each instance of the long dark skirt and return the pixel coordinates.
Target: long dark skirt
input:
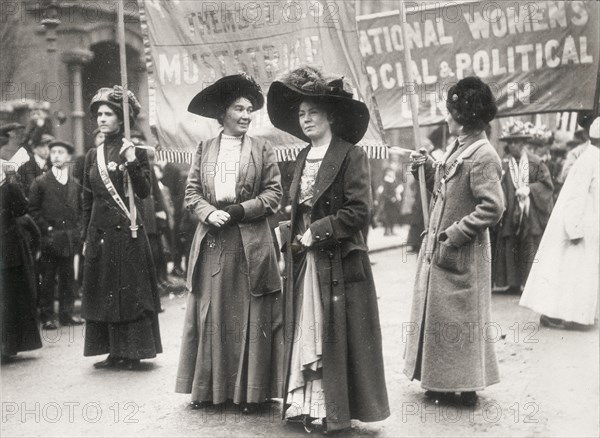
(128, 340)
(232, 342)
(20, 331)
(514, 257)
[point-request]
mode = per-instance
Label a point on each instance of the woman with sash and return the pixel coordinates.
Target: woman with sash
(120, 297)
(233, 337)
(333, 365)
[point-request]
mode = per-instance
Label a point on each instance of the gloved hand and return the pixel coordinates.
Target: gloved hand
(236, 211)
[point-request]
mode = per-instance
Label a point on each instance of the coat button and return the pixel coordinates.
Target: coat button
(118, 227)
(334, 282)
(327, 234)
(289, 225)
(322, 249)
(317, 237)
(285, 277)
(330, 255)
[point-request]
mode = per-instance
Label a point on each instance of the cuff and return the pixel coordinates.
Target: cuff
(321, 230)
(456, 236)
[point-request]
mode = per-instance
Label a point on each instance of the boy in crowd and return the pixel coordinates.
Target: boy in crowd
(55, 206)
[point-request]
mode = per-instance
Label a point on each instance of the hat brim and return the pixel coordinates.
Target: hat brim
(209, 102)
(515, 137)
(284, 100)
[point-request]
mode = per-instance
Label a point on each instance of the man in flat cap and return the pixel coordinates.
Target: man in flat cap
(55, 205)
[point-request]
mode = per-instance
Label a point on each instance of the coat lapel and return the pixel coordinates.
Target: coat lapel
(295, 186)
(209, 167)
(451, 165)
(330, 167)
(247, 170)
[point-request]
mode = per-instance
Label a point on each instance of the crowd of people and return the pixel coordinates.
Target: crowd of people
(289, 310)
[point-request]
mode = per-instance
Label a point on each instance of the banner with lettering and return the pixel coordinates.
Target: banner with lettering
(538, 56)
(191, 44)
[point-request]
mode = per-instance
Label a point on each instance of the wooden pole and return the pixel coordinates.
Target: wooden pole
(414, 109)
(123, 61)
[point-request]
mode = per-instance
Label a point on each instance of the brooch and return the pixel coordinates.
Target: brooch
(112, 166)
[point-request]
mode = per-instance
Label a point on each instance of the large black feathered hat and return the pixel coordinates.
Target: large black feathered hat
(471, 103)
(211, 101)
(309, 83)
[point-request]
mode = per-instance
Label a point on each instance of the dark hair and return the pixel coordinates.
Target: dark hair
(229, 100)
(471, 103)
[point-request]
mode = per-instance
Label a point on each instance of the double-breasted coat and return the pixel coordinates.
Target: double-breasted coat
(53, 205)
(353, 374)
(448, 345)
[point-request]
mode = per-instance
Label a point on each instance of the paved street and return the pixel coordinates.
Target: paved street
(549, 382)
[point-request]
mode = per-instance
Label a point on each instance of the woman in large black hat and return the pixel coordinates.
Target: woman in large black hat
(333, 364)
(448, 348)
(233, 338)
(120, 301)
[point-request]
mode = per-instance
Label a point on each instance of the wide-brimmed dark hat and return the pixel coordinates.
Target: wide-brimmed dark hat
(5, 129)
(210, 101)
(68, 146)
(309, 83)
(113, 97)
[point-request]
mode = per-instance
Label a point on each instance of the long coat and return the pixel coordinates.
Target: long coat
(564, 281)
(446, 347)
(258, 190)
(29, 171)
(18, 313)
(119, 280)
(353, 374)
(53, 205)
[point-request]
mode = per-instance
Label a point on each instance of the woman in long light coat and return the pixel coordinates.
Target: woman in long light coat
(447, 348)
(563, 284)
(233, 336)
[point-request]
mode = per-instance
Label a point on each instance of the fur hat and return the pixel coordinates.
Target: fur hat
(113, 97)
(309, 83)
(213, 100)
(471, 103)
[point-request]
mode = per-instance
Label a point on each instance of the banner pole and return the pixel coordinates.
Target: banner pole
(123, 63)
(415, 115)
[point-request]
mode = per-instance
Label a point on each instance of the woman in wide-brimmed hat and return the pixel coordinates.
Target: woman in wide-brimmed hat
(333, 364)
(529, 197)
(232, 337)
(120, 301)
(447, 349)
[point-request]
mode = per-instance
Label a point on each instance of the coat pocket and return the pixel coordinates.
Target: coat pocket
(450, 257)
(352, 266)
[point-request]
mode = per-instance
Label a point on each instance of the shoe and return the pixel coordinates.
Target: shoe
(131, 364)
(438, 397)
(546, 321)
(195, 405)
(69, 320)
(250, 408)
(109, 362)
(468, 398)
(49, 325)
